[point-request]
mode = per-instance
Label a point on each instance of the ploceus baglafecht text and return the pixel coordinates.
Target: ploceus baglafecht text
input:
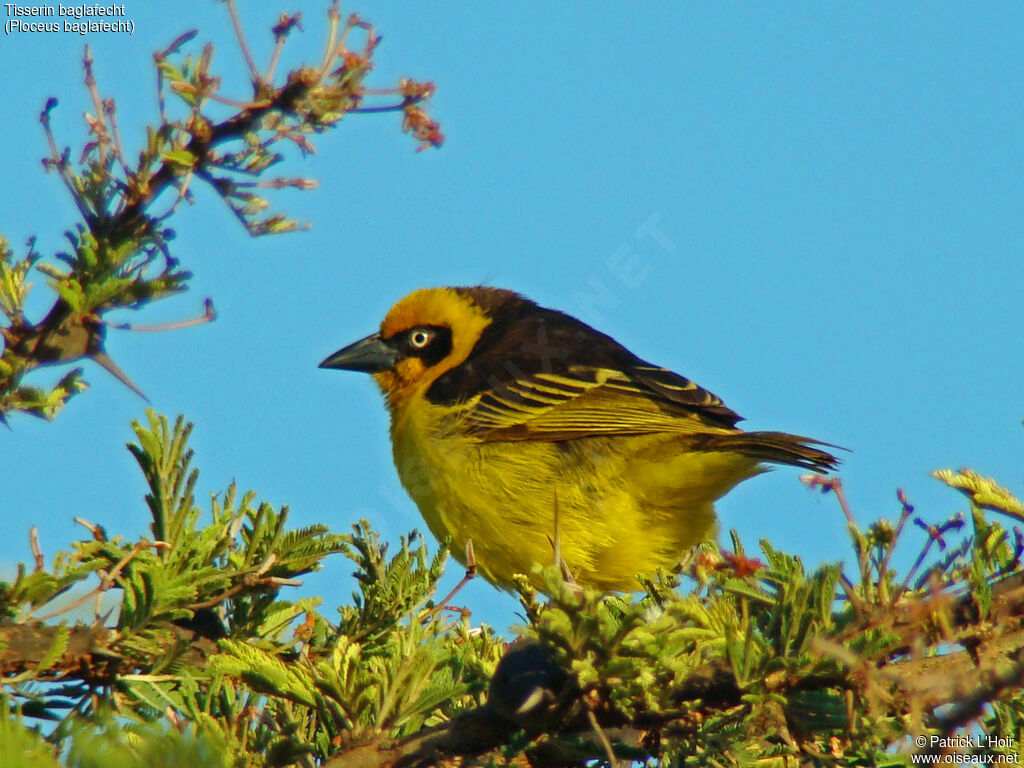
(503, 411)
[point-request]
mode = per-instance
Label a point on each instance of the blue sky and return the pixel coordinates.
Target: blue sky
(814, 211)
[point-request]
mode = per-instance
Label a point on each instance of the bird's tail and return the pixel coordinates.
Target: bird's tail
(776, 448)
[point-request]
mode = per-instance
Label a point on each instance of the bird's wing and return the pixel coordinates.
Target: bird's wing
(586, 401)
(538, 374)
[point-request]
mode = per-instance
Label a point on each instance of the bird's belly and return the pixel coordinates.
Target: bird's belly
(469, 491)
(617, 516)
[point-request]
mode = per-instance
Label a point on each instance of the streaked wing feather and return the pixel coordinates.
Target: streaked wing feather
(592, 402)
(680, 391)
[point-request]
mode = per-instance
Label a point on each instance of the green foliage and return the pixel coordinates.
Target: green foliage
(393, 664)
(388, 589)
(20, 746)
(739, 661)
(213, 580)
(984, 492)
(106, 743)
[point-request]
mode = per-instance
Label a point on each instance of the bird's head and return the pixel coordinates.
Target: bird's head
(427, 333)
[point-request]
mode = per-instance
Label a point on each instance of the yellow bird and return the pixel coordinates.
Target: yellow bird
(502, 409)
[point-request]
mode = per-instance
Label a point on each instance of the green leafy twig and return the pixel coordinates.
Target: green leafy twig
(119, 255)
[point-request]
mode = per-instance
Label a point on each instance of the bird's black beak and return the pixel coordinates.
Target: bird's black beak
(369, 355)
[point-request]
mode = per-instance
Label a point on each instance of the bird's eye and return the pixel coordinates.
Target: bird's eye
(419, 338)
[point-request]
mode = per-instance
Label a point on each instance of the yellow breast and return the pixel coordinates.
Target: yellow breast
(626, 505)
